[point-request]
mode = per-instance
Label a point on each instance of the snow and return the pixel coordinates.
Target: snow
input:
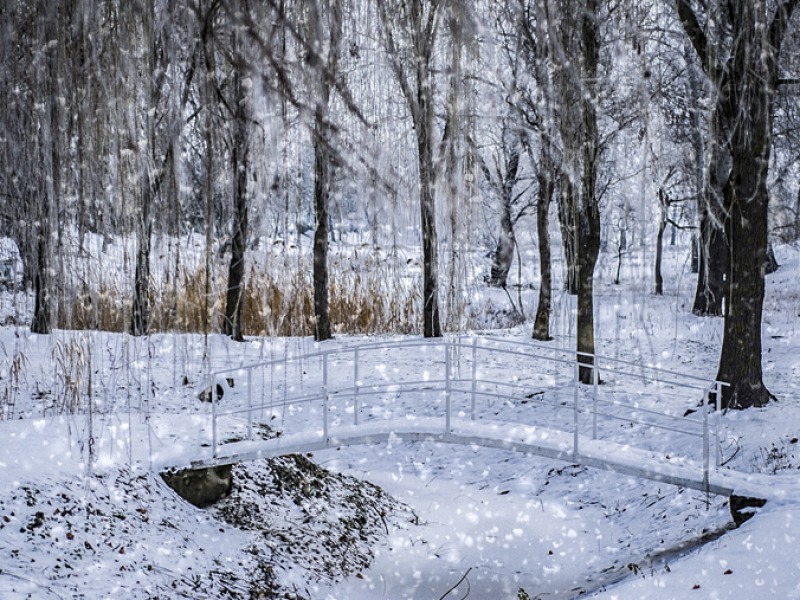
(84, 514)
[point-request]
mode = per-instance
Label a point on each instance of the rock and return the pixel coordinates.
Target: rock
(744, 507)
(207, 395)
(201, 487)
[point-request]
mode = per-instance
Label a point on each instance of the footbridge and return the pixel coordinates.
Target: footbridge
(477, 391)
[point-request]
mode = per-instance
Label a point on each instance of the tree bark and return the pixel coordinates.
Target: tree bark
(41, 283)
(662, 225)
(431, 326)
(430, 242)
(421, 22)
(712, 259)
(710, 291)
(50, 155)
(568, 235)
(322, 322)
(538, 43)
(234, 301)
(323, 164)
(588, 218)
(240, 167)
(541, 325)
(506, 241)
(140, 311)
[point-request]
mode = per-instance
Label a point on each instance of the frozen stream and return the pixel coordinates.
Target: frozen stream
(510, 532)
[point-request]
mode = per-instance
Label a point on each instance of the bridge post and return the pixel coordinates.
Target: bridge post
(447, 426)
(356, 406)
(575, 411)
(213, 418)
(717, 449)
(325, 397)
(250, 404)
(474, 374)
(595, 383)
(706, 453)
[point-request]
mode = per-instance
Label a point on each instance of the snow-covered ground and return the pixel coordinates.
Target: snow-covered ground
(83, 515)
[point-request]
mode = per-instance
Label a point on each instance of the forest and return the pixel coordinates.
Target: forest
(299, 167)
(434, 298)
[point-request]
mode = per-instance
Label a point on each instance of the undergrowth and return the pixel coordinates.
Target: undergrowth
(363, 299)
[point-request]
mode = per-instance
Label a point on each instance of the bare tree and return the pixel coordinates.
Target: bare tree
(744, 81)
(575, 26)
(410, 30)
(240, 124)
(326, 37)
(49, 196)
(504, 180)
(536, 45)
(156, 128)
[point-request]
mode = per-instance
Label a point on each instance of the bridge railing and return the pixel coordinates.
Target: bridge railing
(469, 378)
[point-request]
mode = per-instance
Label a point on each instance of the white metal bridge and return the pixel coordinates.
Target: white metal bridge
(478, 391)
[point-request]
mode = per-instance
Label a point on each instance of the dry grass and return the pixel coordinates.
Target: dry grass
(12, 372)
(365, 298)
(72, 391)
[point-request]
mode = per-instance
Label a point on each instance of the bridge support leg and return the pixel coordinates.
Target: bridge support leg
(325, 435)
(474, 375)
(447, 389)
(356, 400)
(576, 412)
(214, 399)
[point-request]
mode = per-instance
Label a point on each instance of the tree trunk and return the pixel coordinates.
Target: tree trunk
(566, 221)
(588, 219)
(240, 167)
(323, 163)
(662, 225)
(420, 23)
(506, 242)
(504, 253)
(710, 290)
(752, 72)
(713, 256)
(541, 325)
(585, 342)
(430, 245)
(140, 312)
(694, 267)
(41, 282)
(659, 289)
(589, 250)
(322, 322)
(745, 108)
(746, 229)
(234, 301)
(50, 155)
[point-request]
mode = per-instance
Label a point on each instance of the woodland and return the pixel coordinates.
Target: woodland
(316, 167)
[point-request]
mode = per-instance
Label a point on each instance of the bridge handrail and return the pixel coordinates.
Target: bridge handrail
(434, 385)
(449, 384)
(459, 343)
(603, 358)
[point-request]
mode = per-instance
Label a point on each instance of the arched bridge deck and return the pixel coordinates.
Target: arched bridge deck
(476, 391)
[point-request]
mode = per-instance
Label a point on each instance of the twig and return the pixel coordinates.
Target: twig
(463, 577)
